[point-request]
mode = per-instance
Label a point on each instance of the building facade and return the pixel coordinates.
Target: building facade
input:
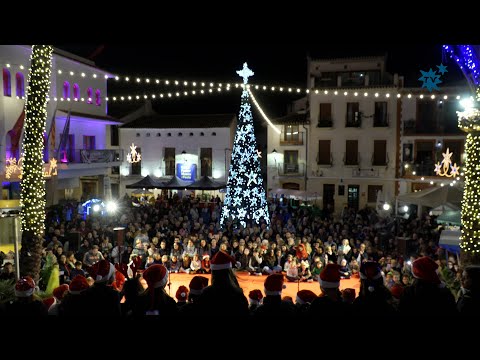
(186, 146)
(77, 134)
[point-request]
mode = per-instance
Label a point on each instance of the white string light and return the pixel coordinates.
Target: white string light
(262, 112)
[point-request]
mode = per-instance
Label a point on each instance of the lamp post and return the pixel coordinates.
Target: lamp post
(226, 164)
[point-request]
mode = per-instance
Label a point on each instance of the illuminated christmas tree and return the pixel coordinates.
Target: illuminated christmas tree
(245, 200)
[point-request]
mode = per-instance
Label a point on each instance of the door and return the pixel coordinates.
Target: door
(290, 165)
(353, 196)
(328, 197)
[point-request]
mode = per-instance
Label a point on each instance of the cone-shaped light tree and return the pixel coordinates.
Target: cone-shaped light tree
(245, 199)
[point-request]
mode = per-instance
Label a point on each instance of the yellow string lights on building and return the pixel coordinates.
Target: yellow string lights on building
(32, 195)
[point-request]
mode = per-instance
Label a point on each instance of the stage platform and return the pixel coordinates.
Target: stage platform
(251, 282)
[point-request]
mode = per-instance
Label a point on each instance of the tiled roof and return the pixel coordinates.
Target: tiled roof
(156, 121)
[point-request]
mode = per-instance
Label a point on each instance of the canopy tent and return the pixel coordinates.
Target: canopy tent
(205, 183)
(146, 183)
(294, 194)
(174, 184)
(141, 192)
(439, 210)
(433, 197)
(452, 217)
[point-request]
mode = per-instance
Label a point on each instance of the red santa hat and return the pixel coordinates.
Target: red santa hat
(305, 296)
(222, 261)
(274, 284)
(255, 297)
(397, 291)
(197, 284)
(119, 280)
(60, 291)
(102, 271)
(370, 270)
(156, 276)
(24, 287)
(425, 269)
(78, 284)
(182, 293)
(48, 302)
(330, 276)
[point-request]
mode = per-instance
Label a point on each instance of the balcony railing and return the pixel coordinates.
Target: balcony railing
(325, 122)
(291, 169)
(355, 121)
(365, 173)
(293, 138)
(380, 162)
(325, 159)
(410, 127)
(352, 160)
(82, 156)
(381, 120)
(416, 169)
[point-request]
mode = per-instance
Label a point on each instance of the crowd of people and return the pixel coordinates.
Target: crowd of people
(126, 274)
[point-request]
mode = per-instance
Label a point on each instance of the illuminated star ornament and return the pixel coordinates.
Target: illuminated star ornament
(245, 73)
(133, 156)
(443, 171)
(430, 80)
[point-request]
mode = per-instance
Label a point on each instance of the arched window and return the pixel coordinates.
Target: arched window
(7, 86)
(20, 85)
(66, 90)
(76, 91)
(89, 95)
(98, 98)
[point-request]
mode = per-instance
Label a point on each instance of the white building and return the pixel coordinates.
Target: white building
(188, 146)
(78, 88)
(346, 146)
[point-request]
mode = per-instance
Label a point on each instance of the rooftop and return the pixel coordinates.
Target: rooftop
(156, 121)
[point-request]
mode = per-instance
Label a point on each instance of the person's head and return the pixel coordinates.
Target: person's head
(329, 278)
(274, 285)
(471, 278)
(95, 249)
(222, 273)
(371, 277)
(425, 269)
(255, 297)
(405, 280)
(102, 272)
(156, 276)
(25, 287)
(8, 267)
(343, 262)
(78, 265)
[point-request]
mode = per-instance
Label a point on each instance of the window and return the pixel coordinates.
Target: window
(353, 115)
(290, 161)
(202, 134)
(159, 134)
(114, 138)
(76, 91)
(137, 167)
(214, 133)
(169, 156)
(372, 192)
(379, 152)
(180, 134)
(324, 155)
(88, 142)
(147, 135)
(20, 88)
(325, 115)
(98, 98)
(206, 161)
(191, 134)
(7, 86)
(291, 134)
(169, 134)
(138, 134)
(66, 89)
(89, 95)
(351, 152)
(380, 117)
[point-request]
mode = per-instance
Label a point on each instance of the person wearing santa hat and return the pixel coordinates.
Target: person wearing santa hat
(73, 302)
(255, 299)
(303, 301)
(25, 304)
(330, 302)
(101, 299)
(181, 295)
(224, 297)
(427, 295)
(191, 308)
(273, 305)
(58, 294)
(155, 300)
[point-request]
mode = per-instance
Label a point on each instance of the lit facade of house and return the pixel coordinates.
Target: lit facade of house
(78, 127)
(186, 146)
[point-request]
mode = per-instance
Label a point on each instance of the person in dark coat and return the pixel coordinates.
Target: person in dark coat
(468, 303)
(73, 303)
(427, 296)
(155, 301)
(191, 308)
(102, 299)
(224, 297)
(330, 302)
(375, 299)
(273, 305)
(25, 304)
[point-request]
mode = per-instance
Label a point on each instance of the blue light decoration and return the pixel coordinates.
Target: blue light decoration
(467, 60)
(245, 200)
(88, 207)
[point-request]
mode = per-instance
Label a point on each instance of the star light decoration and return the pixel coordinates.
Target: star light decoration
(431, 79)
(133, 156)
(443, 171)
(245, 199)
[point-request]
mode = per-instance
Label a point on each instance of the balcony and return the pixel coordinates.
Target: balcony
(412, 127)
(82, 156)
(351, 159)
(367, 173)
(418, 169)
(354, 121)
(289, 169)
(325, 160)
(294, 138)
(325, 123)
(379, 160)
(381, 120)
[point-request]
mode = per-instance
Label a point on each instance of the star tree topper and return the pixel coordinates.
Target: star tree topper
(245, 73)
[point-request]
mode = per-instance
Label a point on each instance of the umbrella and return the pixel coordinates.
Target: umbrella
(146, 183)
(205, 183)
